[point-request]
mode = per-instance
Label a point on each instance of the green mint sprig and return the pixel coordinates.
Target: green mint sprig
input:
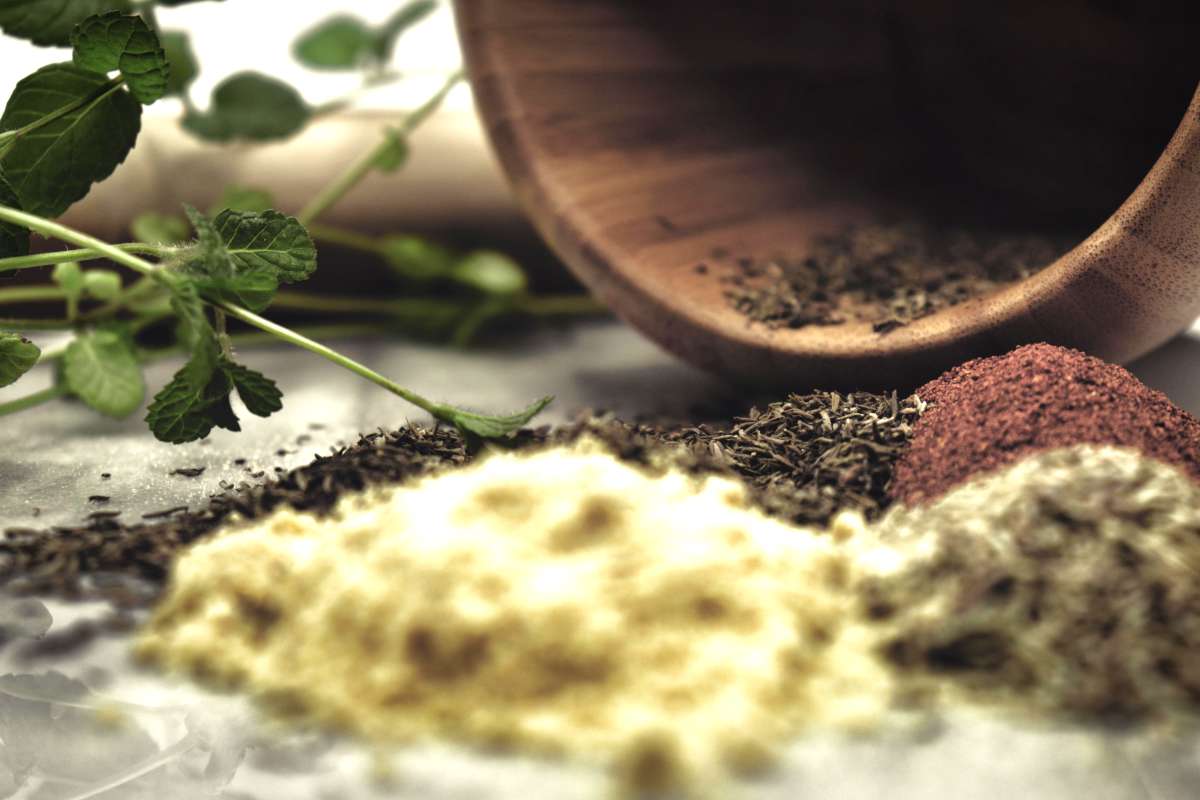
(197, 398)
(69, 125)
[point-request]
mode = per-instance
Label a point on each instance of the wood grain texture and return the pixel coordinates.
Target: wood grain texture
(639, 137)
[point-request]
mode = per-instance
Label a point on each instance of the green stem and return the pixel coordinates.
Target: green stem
(346, 304)
(63, 233)
(136, 325)
(563, 305)
(220, 323)
(534, 305)
(334, 331)
(88, 254)
(344, 238)
(58, 231)
(31, 400)
(146, 320)
(31, 294)
(122, 300)
(538, 306)
(343, 330)
(47, 324)
(48, 356)
(369, 83)
(94, 97)
(358, 170)
(345, 362)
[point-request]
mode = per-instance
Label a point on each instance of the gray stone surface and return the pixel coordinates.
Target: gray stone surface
(51, 460)
(52, 457)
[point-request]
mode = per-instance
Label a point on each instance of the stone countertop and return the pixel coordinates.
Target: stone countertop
(192, 744)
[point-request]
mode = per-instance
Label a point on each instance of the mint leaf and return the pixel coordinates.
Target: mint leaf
(217, 277)
(197, 333)
(69, 277)
(401, 21)
(268, 239)
(415, 258)
(172, 415)
(115, 41)
(242, 256)
(490, 427)
(253, 288)
(190, 405)
(182, 68)
(490, 272)
(55, 165)
(243, 198)
(187, 409)
(155, 228)
(340, 42)
(102, 369)
(250, 106)
(50, 22)
(395, 152)
(258, 392)
(345, 42)
(217, 407)
(208, 241)
(101, 284)
(468, 325)
(17, 356)
(184, 411)
(14, 240)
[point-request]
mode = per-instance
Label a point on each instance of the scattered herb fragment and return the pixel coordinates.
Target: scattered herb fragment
(188, 472)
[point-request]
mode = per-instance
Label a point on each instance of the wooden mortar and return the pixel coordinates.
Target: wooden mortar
(642, 136)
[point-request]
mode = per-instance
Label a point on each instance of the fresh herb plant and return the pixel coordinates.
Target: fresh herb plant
(69, 125)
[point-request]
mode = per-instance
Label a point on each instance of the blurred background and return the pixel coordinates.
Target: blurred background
(450, 189)
(261, 39)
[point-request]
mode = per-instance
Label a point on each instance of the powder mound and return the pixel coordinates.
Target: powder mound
(990, 412)
(560, 603)
(1066, 583)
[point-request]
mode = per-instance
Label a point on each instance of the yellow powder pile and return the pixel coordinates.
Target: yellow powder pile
(562, 602)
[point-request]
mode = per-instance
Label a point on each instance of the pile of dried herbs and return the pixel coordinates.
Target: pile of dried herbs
(805, 458)
(79, 561)
(812, 455)
(887, 275)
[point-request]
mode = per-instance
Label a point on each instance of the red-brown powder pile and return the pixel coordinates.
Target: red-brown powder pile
(991, 412)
